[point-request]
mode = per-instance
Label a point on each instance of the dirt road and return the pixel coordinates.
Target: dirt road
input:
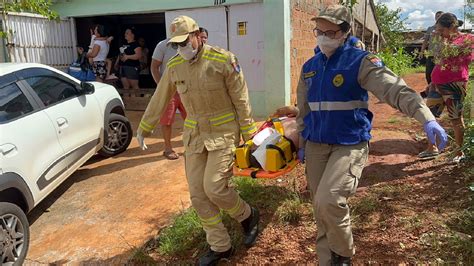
(109, 206)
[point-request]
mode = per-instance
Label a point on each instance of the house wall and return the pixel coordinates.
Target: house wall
(302, 41)
(288, 38)
(371, 29)
(276, 58)
(82, 8)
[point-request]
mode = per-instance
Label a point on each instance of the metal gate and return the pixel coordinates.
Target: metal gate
(36, 39)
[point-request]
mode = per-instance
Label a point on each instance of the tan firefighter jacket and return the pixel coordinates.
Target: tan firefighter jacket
(215, 95)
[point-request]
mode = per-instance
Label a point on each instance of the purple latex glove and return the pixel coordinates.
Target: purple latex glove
(434, 130)
(301, 155)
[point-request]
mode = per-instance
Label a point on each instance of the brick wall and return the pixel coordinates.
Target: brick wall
(303, 41)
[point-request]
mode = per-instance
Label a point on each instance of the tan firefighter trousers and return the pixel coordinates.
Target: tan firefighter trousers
(208, 174)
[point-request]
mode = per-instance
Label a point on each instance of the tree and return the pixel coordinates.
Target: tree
(349, 3)
(469, 11)
(42, 7)
(392, 25)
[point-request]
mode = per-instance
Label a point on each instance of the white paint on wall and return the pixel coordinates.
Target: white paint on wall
(248, 48)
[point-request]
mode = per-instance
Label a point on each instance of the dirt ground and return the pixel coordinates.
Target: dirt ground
(111, 206)
(414, 197)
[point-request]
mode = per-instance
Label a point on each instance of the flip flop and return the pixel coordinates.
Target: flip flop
(428, 154)
(170, 155)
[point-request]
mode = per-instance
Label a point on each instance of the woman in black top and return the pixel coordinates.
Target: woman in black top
(130, 54)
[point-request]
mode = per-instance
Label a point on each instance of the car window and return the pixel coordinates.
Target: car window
(13, 103)
(51, 90)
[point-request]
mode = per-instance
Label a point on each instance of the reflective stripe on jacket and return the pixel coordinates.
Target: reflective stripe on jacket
(215, 95)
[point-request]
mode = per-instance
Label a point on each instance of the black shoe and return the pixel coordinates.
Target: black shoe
(338, 260)
(250, 226)
(212, 257)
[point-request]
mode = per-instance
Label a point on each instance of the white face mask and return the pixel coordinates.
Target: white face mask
(327, 45)
(187, 52)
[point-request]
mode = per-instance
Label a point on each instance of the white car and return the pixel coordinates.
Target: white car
(50, 124)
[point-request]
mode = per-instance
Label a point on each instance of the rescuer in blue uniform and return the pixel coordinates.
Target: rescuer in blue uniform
(334, 122)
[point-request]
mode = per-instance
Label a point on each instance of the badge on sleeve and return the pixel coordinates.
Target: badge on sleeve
(309, 74)
(235, 65)
(338, 80)
(375, 60)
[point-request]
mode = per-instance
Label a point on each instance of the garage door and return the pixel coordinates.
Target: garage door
(213, 19)
(243, 36)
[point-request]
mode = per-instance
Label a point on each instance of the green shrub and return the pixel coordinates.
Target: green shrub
(291, 211)
(468, 145)
(399, 61)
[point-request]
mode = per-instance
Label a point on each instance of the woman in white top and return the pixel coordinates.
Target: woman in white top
(99, 53)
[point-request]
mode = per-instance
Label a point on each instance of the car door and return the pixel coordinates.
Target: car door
(29, 145)
(76, 116)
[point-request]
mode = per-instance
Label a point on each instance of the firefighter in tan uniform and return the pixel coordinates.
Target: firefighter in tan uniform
(214, 93)
(334, 122)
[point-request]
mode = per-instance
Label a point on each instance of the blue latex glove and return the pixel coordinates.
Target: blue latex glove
(434, 130)
(301, 155)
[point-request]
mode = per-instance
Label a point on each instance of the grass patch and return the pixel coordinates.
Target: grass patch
(291, 211)
(391, 191)
(393, 120)
(378, 198)
(449, 247)
(412, 70)
(362, 208)
(412, 223)
(184, 234)
(140, 257)
(186, 238)
(464, 222)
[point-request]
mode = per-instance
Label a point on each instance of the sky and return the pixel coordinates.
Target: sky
(420, 14)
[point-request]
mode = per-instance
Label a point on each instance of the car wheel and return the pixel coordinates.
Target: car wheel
(14, 234)
(118, 135)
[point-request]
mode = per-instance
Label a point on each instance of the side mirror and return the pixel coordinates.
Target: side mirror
(87, 88)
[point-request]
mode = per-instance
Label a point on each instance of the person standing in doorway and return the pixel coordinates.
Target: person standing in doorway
(161, 55)
(99, 51)
(129, 61)
(335, 123)
(215, 94)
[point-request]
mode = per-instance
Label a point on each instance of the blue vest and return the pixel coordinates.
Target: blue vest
(339, 106)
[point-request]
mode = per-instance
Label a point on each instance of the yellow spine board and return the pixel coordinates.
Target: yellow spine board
(277, 156)
(242, 155)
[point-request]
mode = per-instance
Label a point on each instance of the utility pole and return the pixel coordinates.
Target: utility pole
(365, 22)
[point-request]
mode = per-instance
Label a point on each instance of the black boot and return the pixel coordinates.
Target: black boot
(250, 226)
(212, 257)
(338, 260)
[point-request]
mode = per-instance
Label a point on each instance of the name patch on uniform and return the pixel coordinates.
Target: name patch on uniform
(309, 74)
(338, 80)
(375, 60)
